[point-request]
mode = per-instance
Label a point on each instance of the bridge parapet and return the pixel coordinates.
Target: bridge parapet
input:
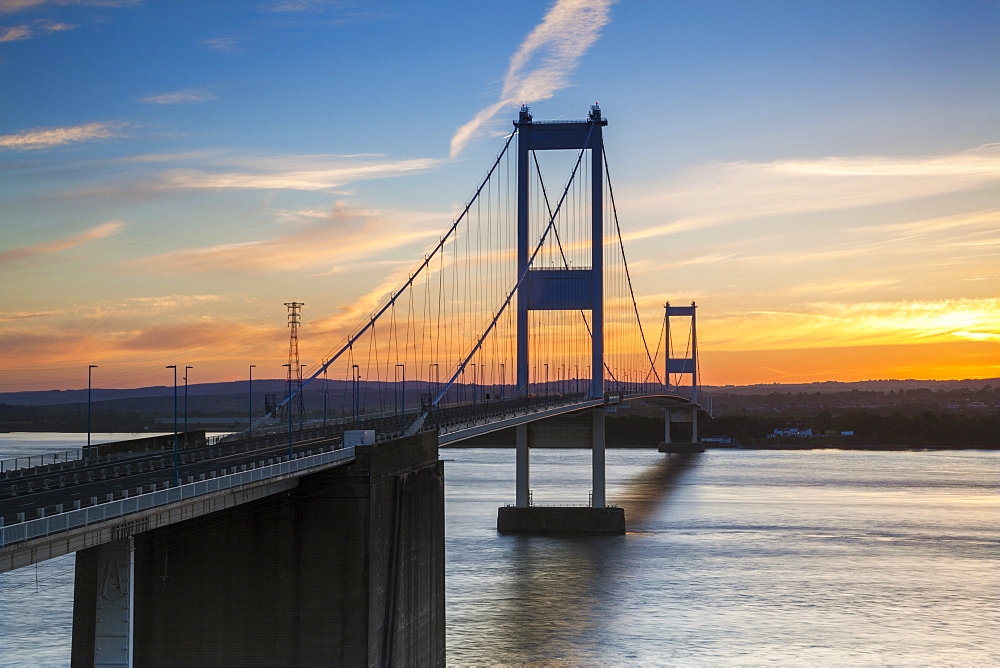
(32, 533)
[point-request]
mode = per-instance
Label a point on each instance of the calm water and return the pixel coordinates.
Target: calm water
(731, 558)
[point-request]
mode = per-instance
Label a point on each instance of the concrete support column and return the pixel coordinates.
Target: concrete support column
(694, 426)
(666, 425)
(522, 465)
(598, 458)
(104, 605)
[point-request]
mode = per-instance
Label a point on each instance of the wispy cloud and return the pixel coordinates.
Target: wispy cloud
(14, 316)
(93, 234)
(317, 243)
(29, 30)
(222, 43)
(42, 138)
(311, 173)
(304, 5)
(847, 324)
(187, 96)
(542, 64)
(728, 192)
(12, 6)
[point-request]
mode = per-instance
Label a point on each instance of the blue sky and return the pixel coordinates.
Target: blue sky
(821, 176)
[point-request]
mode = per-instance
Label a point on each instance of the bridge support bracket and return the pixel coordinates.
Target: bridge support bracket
(561, 520)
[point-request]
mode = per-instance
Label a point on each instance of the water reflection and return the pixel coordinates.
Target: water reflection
(643, 495)
(557, 592)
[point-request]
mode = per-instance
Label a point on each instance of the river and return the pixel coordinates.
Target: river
(731, 557)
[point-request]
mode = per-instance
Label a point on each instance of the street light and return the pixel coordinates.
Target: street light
(176, 455)
(356, 377)
(302, 397)
(402, 398)
(546, 383)
(89, 370)
(326, 393)
(186, 404)
(435, 376)
(250, 410)
(288, 407)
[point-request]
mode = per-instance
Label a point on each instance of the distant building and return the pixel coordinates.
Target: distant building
(791, 432)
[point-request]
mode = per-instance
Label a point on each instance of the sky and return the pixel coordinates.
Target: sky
(822, 178)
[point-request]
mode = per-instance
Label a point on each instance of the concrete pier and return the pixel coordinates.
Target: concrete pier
(561, 520)
(347, 568)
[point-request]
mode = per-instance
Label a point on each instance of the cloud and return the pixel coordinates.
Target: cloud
(978, 336)
(727, 192)
(317, 243)
(310, 173)
(221, 43)
(12, 6)
(13, 316)
(36, 28)
(42, 138)
(188, 96)
(93, 234)
(542, 64)
(846, 324)
(304, 5)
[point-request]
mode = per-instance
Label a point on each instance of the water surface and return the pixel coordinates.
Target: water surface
(732, 557)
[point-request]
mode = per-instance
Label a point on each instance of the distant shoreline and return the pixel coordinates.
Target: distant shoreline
(723, 446)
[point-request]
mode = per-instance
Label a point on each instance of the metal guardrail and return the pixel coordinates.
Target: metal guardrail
(64, 456)
(463, 421)
(30, 461)
(72, 519)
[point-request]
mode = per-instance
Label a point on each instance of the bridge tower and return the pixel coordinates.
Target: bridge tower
(577, 289)
(683, 366)
(687, 365)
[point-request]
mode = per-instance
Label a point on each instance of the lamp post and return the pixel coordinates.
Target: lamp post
(326, 393)
(250, 403)
(89, 371)
(546, 383)
(288, 407)
(186, 404)
(356, 378)
(503, 379)
(302, 398)
(475, 379)
(402, 398)
(176, 455)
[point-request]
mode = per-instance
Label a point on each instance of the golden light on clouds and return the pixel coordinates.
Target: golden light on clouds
(845, 324)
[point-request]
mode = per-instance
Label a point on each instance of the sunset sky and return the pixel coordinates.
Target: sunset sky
(823, 178)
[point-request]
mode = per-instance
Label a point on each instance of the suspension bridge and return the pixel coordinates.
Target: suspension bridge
(521, 316)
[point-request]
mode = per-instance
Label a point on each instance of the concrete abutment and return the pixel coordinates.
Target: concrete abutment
(347, 568)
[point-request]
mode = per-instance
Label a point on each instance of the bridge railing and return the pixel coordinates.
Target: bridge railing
(79, 517)
(29, 461)
(279, 427)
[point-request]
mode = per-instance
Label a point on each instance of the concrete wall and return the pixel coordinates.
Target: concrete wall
(345, 569)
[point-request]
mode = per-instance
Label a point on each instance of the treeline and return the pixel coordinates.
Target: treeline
(924, 429)
(912, 401)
